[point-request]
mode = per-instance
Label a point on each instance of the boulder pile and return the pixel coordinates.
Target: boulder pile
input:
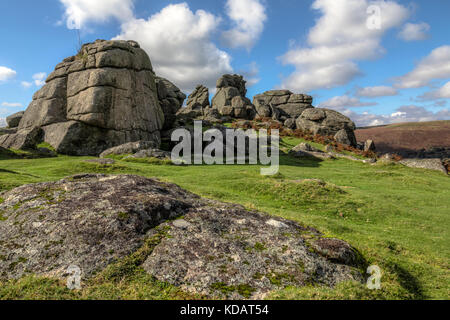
(108, 95)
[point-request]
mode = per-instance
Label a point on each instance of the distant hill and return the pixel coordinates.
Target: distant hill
(407, 139)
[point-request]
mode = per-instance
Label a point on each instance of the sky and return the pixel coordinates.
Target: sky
(378, 62)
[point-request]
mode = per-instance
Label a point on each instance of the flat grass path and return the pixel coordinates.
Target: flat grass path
(397, 217)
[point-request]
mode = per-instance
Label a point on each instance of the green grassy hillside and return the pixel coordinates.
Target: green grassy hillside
(397, 217)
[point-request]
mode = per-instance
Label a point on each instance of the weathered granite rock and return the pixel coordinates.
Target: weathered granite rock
(305, 150)
(22, 140)
(197, 106)
(345, 136)
(234, 81)
(4, 131)
(103, 162)
(85, 220)
(13, 120)
(171, 99)
(327, 122)
(230, 98)
(217, 249)
(151, 153)
(290, 123)
(369, 145)
(129, 148)
(288, 104)
(431, 164)
(199, 98)
(107, 93)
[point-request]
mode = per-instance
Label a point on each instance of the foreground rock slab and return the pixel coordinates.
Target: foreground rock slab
(212, 248)
(85, 220)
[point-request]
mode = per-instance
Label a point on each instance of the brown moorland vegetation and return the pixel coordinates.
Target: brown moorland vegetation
(406, 138)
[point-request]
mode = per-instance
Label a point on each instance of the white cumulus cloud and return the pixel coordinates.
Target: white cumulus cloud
(26, 84)
(340, 38)
(379, 91)
(6, 74)
(409, 113)
(435, 66)
(39, 78)
(12, 104)
(179, 44)
(78, 13)
(248, 17)
(345, 101)
(415, 31)
(441, 93)
(2, 122)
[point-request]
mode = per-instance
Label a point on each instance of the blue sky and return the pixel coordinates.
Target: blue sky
(376, 61)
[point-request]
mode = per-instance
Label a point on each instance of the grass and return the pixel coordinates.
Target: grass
(397, 218)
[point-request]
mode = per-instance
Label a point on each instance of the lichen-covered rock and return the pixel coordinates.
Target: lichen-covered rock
(215, 249)
(287, 104)
(431, 164)
(13, 120)
(107, 93)
(85, 220)
(225, 251)
(327, 122)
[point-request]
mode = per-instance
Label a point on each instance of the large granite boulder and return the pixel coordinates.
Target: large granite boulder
(13, 120)
(203, 246)
(22, 140)
(230, 99)
(103, 97)
(328, 122)
(199, 98)
(197, 103)
(281, 104)
(171, 99)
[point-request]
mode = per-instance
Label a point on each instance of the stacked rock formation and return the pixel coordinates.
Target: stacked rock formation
(281, 104)
(230, 98)
(327, 122)
(171, 100)
(103, 97)
(197, 102)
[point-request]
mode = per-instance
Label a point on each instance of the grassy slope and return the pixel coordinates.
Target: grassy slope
(397, 217)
